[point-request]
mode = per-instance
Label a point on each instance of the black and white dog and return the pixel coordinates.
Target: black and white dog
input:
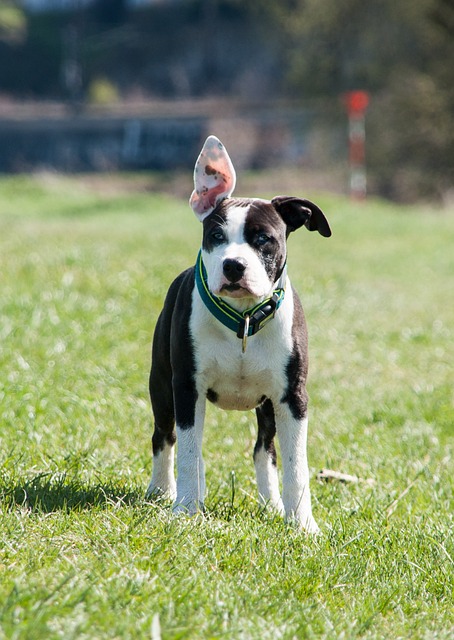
(232, 331)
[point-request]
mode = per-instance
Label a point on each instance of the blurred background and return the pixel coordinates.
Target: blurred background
(136, 85)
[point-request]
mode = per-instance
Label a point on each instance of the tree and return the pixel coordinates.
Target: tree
(13, 24)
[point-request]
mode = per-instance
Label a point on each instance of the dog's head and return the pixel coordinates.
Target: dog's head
(244, 239)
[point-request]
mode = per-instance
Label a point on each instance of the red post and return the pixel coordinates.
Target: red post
(357, 102)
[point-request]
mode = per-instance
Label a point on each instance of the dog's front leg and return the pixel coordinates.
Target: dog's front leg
(296, 496)
(190, 465)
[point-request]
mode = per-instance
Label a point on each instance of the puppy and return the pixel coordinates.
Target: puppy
(232, 331)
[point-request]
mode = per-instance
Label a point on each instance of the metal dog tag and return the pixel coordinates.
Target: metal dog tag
(245, 334)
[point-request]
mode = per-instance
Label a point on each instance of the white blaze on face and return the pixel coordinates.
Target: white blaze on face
(254, 282)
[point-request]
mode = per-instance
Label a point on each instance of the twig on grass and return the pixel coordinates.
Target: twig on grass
(329, 475)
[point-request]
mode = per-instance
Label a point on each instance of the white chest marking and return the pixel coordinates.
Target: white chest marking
(241, 380)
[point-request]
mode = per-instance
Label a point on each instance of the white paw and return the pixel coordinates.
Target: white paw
(304, 522)
(188, 507)
(155, 492)
(275, 506)
(310, 526)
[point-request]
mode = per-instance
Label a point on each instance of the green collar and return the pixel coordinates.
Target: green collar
(243, 323)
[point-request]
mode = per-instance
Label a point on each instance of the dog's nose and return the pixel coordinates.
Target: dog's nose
(234, 268)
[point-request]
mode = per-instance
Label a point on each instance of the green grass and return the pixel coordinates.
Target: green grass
(83, 555)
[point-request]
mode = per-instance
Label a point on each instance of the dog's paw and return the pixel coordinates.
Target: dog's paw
(188, 508)
(159, 493)
(274, 506)
(310, 526)
(305, 523)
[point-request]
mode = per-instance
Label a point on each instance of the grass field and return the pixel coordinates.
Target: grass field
(83, 273)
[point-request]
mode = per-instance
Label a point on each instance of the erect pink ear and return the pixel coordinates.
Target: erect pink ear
(214, 178)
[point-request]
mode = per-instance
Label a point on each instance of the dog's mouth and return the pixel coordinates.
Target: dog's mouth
(232, 286)
(234, 290)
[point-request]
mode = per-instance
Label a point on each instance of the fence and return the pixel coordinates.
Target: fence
(257, 136)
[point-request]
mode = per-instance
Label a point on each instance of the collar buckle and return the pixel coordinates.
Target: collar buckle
(256, 320)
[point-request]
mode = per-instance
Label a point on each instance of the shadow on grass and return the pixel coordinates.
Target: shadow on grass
(49, 492)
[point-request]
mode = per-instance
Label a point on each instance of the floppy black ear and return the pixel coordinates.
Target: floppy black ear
(297, 212)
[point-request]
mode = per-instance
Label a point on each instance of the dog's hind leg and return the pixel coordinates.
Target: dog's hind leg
(163, 477)
(164, 436)
(265, 457)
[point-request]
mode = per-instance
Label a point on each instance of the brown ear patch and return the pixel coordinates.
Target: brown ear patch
(298, 212)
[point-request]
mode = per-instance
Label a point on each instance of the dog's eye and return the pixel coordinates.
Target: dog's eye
(217, 236)
(261, 239)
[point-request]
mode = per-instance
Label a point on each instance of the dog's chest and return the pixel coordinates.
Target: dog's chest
(233, 379)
